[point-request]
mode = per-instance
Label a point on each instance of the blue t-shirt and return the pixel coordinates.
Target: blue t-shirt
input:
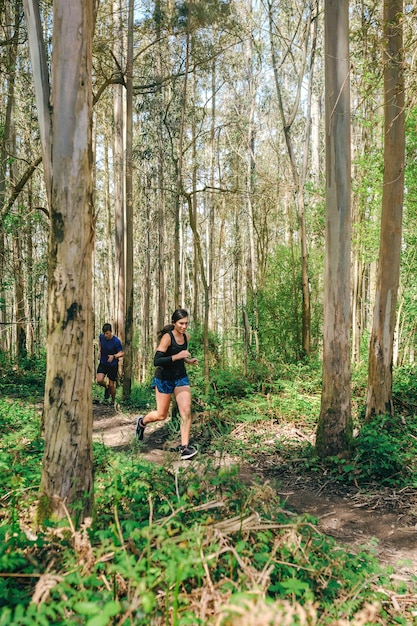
(107, 347)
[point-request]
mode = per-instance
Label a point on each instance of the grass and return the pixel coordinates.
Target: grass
(180, 549)
(198, 544)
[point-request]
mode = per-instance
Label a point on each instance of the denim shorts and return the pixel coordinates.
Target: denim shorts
(168, 386)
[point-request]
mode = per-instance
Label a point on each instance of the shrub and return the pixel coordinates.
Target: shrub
(384, 451)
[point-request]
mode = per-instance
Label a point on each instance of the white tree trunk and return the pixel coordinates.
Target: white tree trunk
(119, 178)
(128, 360)
(41, 81)
(379, 399)
(335, 423)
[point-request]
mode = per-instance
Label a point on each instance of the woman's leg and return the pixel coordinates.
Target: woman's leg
(163, 401)
(183, 398)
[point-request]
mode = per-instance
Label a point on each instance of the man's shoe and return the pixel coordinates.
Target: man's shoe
(140, 427)
(187, 452)
(107, 393)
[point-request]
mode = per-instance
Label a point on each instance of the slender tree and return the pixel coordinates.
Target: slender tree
(334, 430)
(127, 360)
(11, 17)
(367, 124)
(379, 398)
(119, 171)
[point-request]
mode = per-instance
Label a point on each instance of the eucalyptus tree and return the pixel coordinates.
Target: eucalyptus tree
(405, 329)
(163, 97)
(121, 308)
(10, 23)
(114, 198)
(296, 47)
(334, 430)
(250, 96)
(191, 197)
(106, 74)
(66, 140)
(119, 196)
(379, 395)
(17, 244)
(129, 301)
(22, 204)
(367, 138)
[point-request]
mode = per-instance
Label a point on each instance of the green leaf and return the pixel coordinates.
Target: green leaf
(111, 608)
(87, 608)
(148, 601)
(99, 620)
(293, 585)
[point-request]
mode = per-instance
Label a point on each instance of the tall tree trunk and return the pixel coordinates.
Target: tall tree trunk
(208, 239)
(316, 116)
(3, 342)
(119, 196)
(213, 313)
(334, 430)
(192, 209)
(19, 299)
(127, 359)
(252, 257)
(379, 397)
(250, 162)
(160, 194)
(42, 87)
(19, 281)
(6, 138)
(67, 469)
(109, 295)
(366, 142)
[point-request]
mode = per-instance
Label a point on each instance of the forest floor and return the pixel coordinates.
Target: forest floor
(383, 521)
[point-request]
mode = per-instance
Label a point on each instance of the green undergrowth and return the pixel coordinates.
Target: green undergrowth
(194, 543)
(384, 450)
(176, 544)
(282, 423)
(25, 379)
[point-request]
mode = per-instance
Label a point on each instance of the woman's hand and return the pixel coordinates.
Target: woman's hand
(192, 361)
(184, 354)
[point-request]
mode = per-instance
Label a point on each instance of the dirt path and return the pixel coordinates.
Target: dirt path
(390, 532)
(385, 522)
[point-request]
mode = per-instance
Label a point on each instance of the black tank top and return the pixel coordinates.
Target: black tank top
(176, 369)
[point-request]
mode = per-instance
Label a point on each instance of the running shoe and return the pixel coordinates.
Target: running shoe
(187, 452)
(140, 427)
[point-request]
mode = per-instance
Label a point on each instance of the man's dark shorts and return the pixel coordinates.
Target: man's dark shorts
(110, 372)
(168, 386)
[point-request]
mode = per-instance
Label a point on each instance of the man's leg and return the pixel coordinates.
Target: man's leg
(100, 379)
(112, 390)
